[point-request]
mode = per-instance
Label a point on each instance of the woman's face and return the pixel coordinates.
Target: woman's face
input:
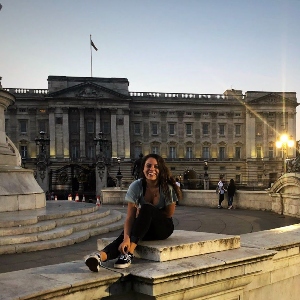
(151, 170)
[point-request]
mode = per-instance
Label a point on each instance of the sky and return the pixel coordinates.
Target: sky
(167, 46)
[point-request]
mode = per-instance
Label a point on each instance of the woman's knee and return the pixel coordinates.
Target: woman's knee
(147, 208)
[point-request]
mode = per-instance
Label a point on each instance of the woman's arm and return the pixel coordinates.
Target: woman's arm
(169, 210)
(131, 212)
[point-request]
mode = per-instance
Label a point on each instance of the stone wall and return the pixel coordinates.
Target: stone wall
(256, 200)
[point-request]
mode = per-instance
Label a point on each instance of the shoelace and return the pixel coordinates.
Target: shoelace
(125, 256)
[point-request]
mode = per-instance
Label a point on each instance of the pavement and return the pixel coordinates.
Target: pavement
(201, 219)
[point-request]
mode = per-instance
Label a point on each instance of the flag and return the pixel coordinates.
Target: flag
(93, 45)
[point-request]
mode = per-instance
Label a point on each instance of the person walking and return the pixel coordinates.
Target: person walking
(231, 189)
(221, 191)
(151, 205)
(179, 185)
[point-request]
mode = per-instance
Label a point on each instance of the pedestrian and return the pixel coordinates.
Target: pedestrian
(179, 185)
(221, 191)
(231, 191)
(150, 207)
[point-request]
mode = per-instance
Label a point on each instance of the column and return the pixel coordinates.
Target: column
(114, 142)
(250, 135)
(52, 134)
(126, 133)
(66, 143)
(82, 133)
(98, 122)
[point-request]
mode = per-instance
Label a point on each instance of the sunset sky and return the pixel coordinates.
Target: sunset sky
(185, 46)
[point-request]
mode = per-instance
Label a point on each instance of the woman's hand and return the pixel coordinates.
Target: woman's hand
(124, 246)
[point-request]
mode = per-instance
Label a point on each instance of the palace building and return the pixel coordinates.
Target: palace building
(82, 131)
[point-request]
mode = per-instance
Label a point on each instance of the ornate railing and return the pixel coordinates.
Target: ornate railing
(136, 94)
(27, 91)
(180, 95)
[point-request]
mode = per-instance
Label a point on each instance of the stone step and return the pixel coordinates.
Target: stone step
(181, 244)
(63, 230)
(54, 210)
(48, 225)
(114, 221)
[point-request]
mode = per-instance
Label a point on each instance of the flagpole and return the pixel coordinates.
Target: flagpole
(91, 56)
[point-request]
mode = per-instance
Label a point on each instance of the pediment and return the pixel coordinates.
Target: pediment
(88, 90)
(271, 99)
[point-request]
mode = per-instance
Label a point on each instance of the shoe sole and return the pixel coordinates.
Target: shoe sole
(123, 266)
(93, 264)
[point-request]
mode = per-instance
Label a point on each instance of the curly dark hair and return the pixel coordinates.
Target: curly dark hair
(164, 176)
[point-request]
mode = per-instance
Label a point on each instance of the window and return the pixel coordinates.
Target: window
(188, 129)
(271, 152)
(171, 129)
(59, 120)
(74, 152)
(221, 129)
(23, 151)
(205, 152)
(137, 128)
(237, 129)
(42, 125)
(271, 129)
(237, 152)
(137, 151)
(23, 126)
(172, 152)
(222, 153)
(205, 128)
(90, 126)
(259, 178)
(74, 126)
(91, 152)
(155, 150)
(154, 128)
(258, 152)
(237, 178)
(106, 127)
(189, 152)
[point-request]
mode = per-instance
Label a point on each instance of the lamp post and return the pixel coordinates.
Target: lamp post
(206, 178)
(119, 174)
(102, 159)
(42, 158)
(283, 143)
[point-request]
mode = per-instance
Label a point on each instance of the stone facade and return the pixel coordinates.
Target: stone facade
(234, 132)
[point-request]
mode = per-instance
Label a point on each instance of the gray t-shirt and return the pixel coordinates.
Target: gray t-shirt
(135, 195)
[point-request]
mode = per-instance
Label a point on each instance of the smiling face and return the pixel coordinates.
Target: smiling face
(151, 169)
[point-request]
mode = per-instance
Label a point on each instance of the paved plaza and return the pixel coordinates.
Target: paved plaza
(202, 219)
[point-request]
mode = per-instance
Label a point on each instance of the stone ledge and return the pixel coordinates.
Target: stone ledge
(181, 244)
(273, 239)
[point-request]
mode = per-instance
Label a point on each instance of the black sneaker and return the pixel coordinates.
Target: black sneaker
(124, 261)
(93, 261)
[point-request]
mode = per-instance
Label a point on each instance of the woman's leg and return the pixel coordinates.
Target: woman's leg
(111, 251)
(151, 224)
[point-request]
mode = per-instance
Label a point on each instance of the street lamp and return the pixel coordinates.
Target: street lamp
(102, 160)
(283, 143)
(119, 174)
(42, 159)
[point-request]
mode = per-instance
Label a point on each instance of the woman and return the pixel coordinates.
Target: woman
(231, 191)
(151, 205)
